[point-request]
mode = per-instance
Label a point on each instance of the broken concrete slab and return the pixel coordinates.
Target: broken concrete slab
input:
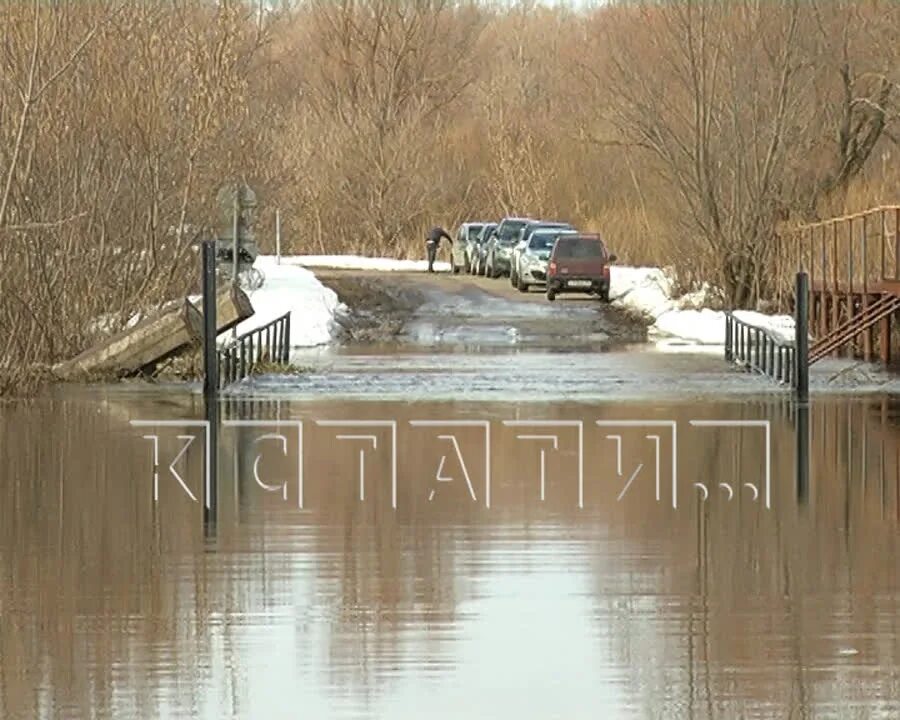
(156, 338)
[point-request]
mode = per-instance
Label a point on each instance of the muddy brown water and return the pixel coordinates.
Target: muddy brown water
(601, 600)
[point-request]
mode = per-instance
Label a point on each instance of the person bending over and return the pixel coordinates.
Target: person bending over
(432, 242)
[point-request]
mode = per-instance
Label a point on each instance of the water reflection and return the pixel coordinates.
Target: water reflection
(116, 605)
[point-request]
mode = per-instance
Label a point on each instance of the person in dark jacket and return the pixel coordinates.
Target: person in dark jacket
(432, 241)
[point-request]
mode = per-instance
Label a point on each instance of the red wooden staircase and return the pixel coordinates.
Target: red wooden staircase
(853, 263)
(854, 326)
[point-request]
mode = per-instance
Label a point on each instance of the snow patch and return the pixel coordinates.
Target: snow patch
(290, 288)
(649, 291)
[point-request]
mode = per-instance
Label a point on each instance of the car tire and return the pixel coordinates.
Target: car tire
(604, 296)
(551, 296)
(455, 269)
(513, 278)
(521, 286)
(466, 263)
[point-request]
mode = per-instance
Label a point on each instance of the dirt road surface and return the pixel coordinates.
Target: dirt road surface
(468, 312)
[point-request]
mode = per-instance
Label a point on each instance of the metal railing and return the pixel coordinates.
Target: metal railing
(270, 343)
(852, 253)
(757, 349)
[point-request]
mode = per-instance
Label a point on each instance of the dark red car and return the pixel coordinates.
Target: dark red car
(579, 264)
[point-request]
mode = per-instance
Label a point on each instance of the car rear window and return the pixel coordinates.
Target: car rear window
(542, 241)
(580, 248)
(509, 230)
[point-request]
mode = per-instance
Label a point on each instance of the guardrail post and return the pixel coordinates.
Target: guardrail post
(756, 363)
(729, 355)
(801, 338)
(287, 340)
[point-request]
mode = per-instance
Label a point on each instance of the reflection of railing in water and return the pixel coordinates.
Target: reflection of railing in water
(865, 450)
(269, 343)
(239, 407)
(758, 349)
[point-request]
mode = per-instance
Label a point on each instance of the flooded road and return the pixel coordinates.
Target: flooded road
(443, 585)
(451, 337)
(485, 507)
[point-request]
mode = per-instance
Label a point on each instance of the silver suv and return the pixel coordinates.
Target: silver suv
(498, 253)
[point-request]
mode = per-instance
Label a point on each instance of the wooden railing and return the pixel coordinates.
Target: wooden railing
(852, 253)
(757, 349)
(270, 343)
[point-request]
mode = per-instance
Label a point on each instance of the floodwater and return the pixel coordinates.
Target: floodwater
(443, 585)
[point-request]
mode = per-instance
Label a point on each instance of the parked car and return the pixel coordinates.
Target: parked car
(579, 263)
(460, 253)
(476, 253)
(524, 236)
(498, 252)
(530, 263)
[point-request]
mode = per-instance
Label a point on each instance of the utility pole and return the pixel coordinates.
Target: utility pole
(210, 359)
(234, 236)
(278, 235)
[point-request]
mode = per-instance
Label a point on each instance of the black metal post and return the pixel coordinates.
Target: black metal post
(210, 383)
(755, 355)
(728, 353)
(801, 338)
(772, 345)
(287, 340)
(210, 360)
(211, 493)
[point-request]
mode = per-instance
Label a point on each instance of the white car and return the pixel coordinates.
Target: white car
(531, 257)
(522, 239)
